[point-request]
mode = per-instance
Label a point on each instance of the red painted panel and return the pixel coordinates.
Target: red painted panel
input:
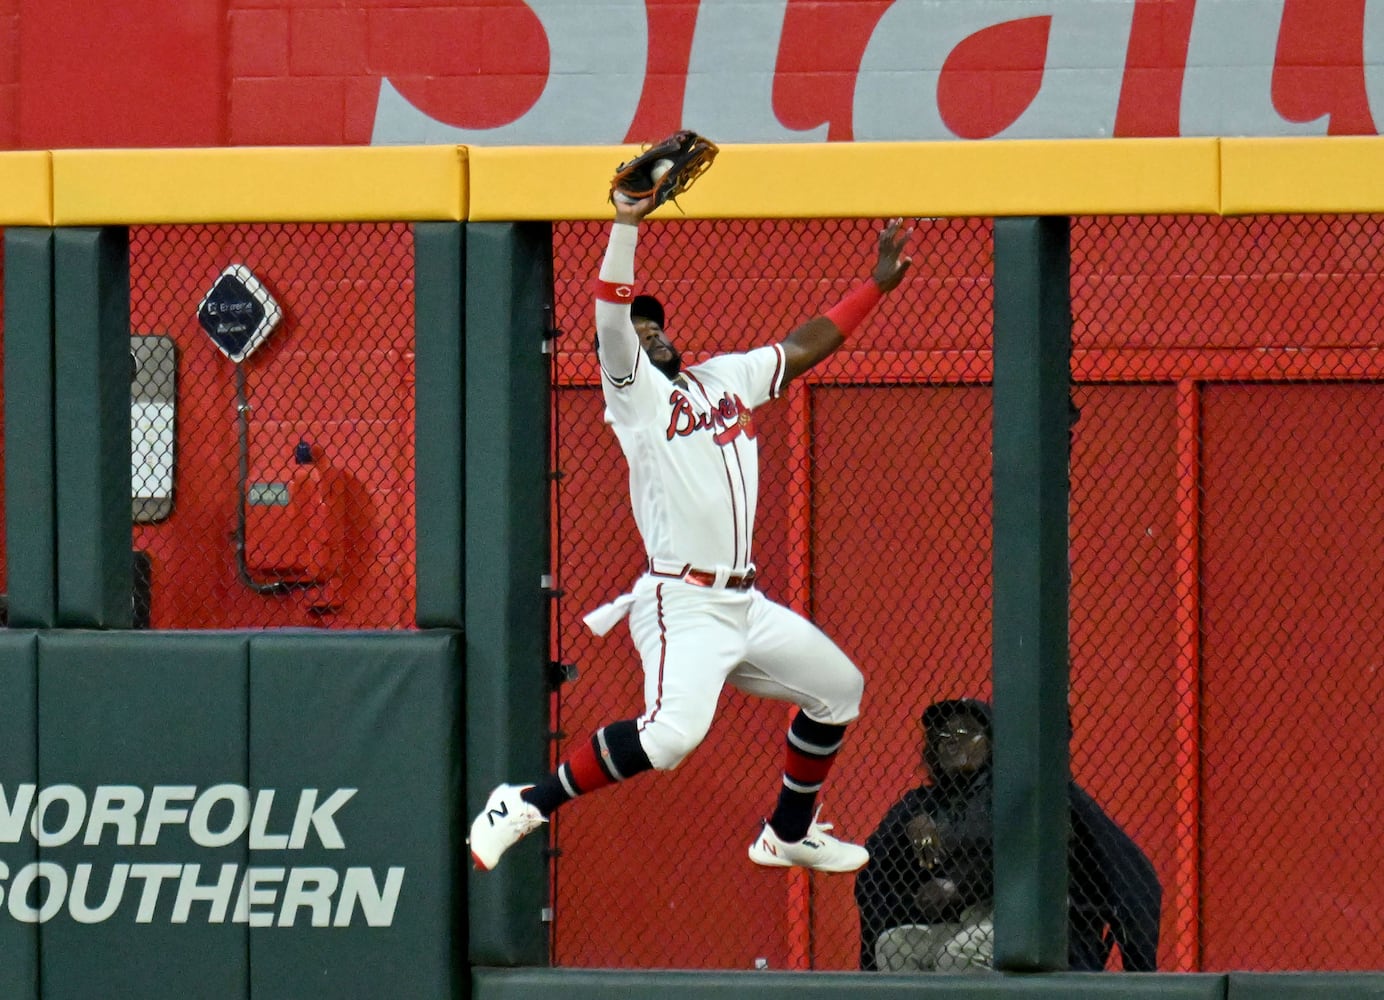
(728, 286)
(1271, 281)
(133, 74)
(258, 43)
(1292, 697)
(898, 558)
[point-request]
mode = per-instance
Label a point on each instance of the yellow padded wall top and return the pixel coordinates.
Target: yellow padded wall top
(259, 184)
(26, 189)
(1233, 176)
(1302, 175)
(1018, 177)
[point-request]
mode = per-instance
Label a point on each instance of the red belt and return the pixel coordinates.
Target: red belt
(707, 578)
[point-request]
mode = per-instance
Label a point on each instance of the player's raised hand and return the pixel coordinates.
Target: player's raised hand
(892, 265)
(631, 211)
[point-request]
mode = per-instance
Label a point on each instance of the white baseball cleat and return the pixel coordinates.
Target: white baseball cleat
(505, 820)
(819, 851)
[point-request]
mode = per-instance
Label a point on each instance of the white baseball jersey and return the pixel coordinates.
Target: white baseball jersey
(691, 446)
(693, 455)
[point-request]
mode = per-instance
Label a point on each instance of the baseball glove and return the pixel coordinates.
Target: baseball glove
(666, 169)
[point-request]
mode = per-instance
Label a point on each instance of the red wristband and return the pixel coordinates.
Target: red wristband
(857, 304)
(618, 292)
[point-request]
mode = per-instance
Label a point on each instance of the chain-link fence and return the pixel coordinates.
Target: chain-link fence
(1228, 542)
(272, 414)
(1226, 549)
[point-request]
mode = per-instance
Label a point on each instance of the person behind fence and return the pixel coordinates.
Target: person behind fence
(695, 614)
(926, 898)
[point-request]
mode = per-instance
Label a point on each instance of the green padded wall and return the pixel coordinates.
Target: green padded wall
(1306, 986)
(1032, 381)
(142, 711)
(380, 713)
(232, 814)
(18, 768)
(439, 399)
(509, 272)
(578, 984)
(30, 526)
(92, 427)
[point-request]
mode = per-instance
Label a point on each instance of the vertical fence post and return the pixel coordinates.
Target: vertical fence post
(1032, 577)
(30, 514)
(92, 367)
(438, 402)
(509, 282)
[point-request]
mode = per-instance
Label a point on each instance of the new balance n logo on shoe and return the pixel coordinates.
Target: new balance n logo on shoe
(505, 820)
(819, 851)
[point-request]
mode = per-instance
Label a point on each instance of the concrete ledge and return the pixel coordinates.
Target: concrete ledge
(1306, 986)
(594, 984)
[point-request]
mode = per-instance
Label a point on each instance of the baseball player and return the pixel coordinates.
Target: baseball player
(695, 616)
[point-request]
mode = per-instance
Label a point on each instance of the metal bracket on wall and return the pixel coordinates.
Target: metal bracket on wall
(560, 673)
(551, 331)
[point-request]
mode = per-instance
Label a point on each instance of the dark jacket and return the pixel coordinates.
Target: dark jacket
(1114, 893)
(885, 888)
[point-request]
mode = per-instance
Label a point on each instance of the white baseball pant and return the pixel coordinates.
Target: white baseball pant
(693, 640)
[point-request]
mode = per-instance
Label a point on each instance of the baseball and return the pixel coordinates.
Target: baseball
(659, 169)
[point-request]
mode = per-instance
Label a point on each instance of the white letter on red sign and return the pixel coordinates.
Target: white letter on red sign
(1374, 60)
(1228, 87)
(597, 55)
(730, 75)
(896, 92)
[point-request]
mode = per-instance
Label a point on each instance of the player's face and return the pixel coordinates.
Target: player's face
(658, 347)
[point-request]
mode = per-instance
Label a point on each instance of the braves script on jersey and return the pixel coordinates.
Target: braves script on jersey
(690, 442)
(693, 456)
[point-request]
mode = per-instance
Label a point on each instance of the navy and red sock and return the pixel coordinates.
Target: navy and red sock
(613, 754)
(812, 747)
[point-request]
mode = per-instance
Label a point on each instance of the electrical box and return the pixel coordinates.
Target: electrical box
(295, 519)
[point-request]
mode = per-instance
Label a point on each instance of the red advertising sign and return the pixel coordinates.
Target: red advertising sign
(564, 72)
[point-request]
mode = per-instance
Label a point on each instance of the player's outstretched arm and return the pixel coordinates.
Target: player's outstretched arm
(617, 344)
(820, 336)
